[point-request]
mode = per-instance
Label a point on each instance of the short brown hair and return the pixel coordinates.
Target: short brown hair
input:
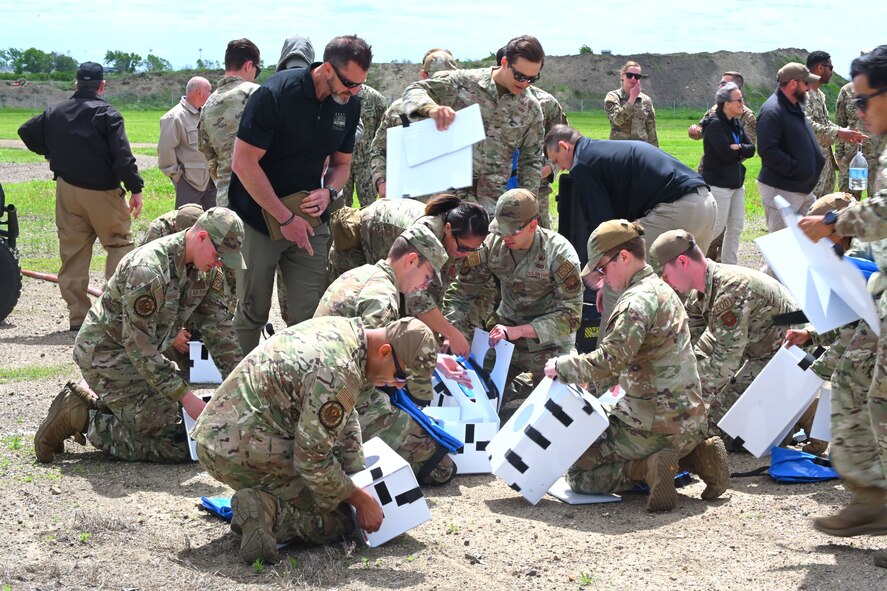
(527, 47)
(239, 52)
(737, 78)
(348, 48)
(629, 64)
(401, 248)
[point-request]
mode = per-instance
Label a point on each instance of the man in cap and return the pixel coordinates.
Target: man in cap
(734, 309)
(372, 293)
(820, 64)
(791, 160)
(282, 431)
(659, 425)
(128, 402)
(872, 146)
(85, 142)
(177, 220)
(537, 271)
(512, 118)
(435, 60)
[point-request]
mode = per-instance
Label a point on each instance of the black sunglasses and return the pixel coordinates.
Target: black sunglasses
(345, 81)
(399, 374)
(635, 76)
(461, 248)
(861, 102)
(523, 77)
(258, 69)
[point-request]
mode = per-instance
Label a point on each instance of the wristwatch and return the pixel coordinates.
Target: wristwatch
(830, 218)
(333, 192)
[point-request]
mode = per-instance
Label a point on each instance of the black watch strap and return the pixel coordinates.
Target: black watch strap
(830, 218)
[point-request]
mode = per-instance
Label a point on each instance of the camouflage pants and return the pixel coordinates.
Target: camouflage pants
(380, 418)
(859, 412)
(826, 182)
(143, 425)
(298, 517)
(342, 261)
(525, 360)
(603, 468)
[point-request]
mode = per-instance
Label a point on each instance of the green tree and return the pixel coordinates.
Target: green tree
(36, 61)
(63, 63)
(156, 64)
(585, 50)
(12, 57)
(123, 61)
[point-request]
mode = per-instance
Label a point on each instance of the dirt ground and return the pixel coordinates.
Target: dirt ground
(90, 522)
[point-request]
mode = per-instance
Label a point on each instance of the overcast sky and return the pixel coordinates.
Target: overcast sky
(178, 31)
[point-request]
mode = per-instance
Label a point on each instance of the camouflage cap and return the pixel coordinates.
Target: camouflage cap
(795, 71)
(831, 202)
(225, 229)
(439, 61)
(515, 208)
(415, 348)
(669, 245)
(605, 237)
(423, 239)
(187, 215)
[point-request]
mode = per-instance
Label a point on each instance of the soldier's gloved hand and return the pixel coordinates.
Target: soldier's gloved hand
(180, 343)
(369, 514)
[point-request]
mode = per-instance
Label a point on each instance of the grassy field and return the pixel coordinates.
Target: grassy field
(35, 200)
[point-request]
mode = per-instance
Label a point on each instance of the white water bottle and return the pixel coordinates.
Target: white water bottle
(859, 172)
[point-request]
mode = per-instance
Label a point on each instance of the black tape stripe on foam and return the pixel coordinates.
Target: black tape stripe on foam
(516, 461)
(376, 473)
(806, 362)
(481, 445)
(558, 411)
(537, 437)
(469, 433)
(382, 492)
(515, 487)
(408, 497)
(405, 121)
(204, 352)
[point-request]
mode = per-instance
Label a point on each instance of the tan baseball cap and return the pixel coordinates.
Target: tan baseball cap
(514, 210)
(225, 229)
(187, 215)
(669, 245)
(415, 349)
(831, 202)
(605, 237)
(423, 239)
(795, 71)
(439, 61)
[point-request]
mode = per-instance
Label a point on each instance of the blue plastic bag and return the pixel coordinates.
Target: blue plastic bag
(791, 465)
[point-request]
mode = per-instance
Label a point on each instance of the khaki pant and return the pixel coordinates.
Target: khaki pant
(82, 215)
(730, 220)
(800, 203)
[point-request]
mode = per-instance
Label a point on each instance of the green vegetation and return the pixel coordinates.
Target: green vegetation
(16, 155)
(32, 372)
(293, 562)
(84, 537)
(585, 579)
(258, 566)
(13, 442)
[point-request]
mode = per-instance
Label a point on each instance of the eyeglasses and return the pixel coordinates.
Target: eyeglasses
(861, 102)
(399, 374)
(522, 228)
(737, 100)
(345, 81)
(523, 77)
(461, 248)
(635, 76)
(258, 69)
(601, 269)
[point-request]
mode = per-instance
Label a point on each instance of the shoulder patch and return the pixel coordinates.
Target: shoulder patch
(145, 306)
(346, 399)
(729, 319)
(564, 270)
(722, 305)
(473, 259)
(331, 414)
(218, 281)
(573, 283)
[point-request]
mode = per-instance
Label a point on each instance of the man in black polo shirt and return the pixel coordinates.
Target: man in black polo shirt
(290, 126)
(629, 180)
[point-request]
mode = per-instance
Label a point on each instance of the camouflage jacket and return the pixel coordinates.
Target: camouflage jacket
(631, 121)
(817, 111)
(552, 114)
(159, 227)
(512, 122)
(148, 299)
(539, 286)
(369, 292)
(379, 145)
(735, 313)
(219, 122)
(846, 116)
(372, 109)
(648, 352)
(289, 408)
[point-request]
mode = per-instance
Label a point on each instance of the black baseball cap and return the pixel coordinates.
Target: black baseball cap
(90, 71)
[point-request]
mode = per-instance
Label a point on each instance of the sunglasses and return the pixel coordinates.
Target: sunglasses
(399, 374)
(461, 248)
(635, 76)
(345, 81)
(258, 69)
(861, 102)
(523, 77)
(602, 269)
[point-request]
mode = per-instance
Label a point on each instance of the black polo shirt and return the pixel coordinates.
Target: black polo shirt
(297, 131)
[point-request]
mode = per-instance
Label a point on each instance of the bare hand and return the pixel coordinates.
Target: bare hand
(500, 332)
(814, 227)
(695, 132)
(135, 205)
(381, 188)
(193, 405)
(459, 344)
(368, 512)
(299, 231)
(450, 369)
(735, 146)
(443, 116)
(795, 336)
(851, 136)
(635, 92)
(316, 202)
(599, 298)
(180, 343)
(551, 368)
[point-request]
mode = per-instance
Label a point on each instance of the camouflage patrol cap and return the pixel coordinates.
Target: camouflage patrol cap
(415, 349)
(831, 202)
(514, 210)
(439, 61)
(423, 239)
(608, 235)
(795, 71)
(669, 245)
(187, 215)
(226, 231)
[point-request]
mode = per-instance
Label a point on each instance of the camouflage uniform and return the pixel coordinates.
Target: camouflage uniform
(826, 134)
(552, 114)
(648, 352)
(629, 121)
(219, 121)
(539, 286)
(161, 226)
(845, 116)
(512, 122)
(372, 108)
(149, 298)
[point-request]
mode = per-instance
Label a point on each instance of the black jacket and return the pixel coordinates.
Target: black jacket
(85, 142)
(722, 166)
(790, 155)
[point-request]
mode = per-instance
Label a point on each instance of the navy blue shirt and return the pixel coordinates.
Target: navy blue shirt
(297, 131)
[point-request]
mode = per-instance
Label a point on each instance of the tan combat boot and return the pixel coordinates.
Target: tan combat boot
(68, 416)
(865, 514)
(708, 460)
(254, 515)
(658, 471)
